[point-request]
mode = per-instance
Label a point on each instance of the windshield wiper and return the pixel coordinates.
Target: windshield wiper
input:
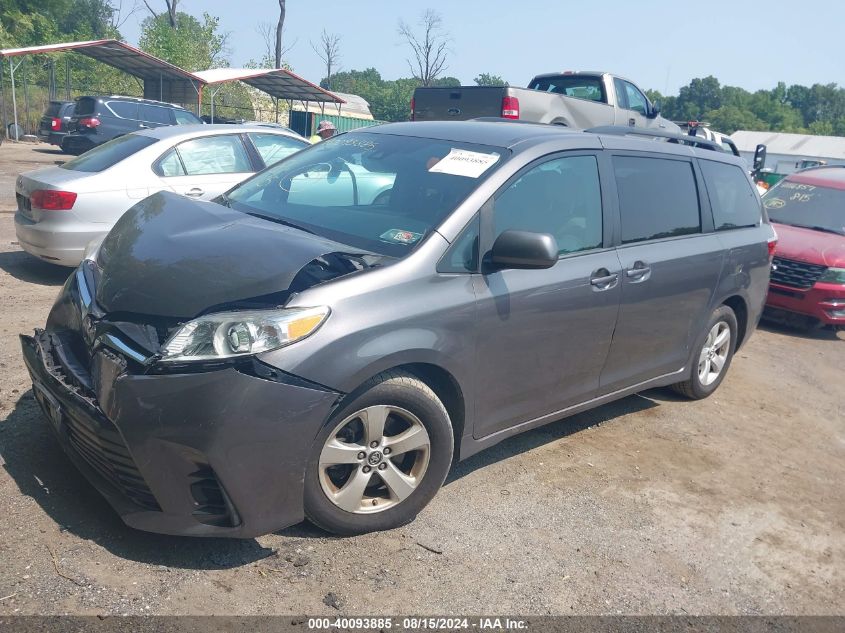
(816, 227)
(277, 220)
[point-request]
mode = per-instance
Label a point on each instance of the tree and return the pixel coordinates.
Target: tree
(486, 79)
(267, 32)
(729, 119)
(429, 50)
(328, 50)
(280, 27)
(172, 14)
(192, 45)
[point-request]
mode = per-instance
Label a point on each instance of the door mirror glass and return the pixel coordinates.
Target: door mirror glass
(655, 110)
(524, 250)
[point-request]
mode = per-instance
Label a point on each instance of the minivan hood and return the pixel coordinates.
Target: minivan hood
(176, 257)
(807, 245)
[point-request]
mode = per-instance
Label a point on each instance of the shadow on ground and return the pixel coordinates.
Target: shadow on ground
(35, 461)
(53, 151)
(813, 333)
(25, 267)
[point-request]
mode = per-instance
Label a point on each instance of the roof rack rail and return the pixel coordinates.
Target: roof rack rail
(686, 139)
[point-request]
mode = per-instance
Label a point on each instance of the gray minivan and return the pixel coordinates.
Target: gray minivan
(228, 368)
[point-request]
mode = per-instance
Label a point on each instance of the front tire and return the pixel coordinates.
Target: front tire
(381, 457)
(714, 352)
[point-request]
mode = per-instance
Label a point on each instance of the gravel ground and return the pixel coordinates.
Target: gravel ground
(732, 505)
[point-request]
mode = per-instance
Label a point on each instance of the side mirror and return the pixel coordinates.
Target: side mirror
(654, 110)
(759, 157)
(524, 250)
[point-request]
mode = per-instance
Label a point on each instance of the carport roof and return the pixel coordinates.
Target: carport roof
(276, 82)
(114, 53)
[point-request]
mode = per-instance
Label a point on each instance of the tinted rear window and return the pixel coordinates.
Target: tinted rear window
(109, 154)
(657, 198)
(735, 204)
(155, 114)
(124, 109)
(85, 106)
(581, 87)
(54, 108)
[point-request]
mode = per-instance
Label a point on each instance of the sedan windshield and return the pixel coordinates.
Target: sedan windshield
(808, 206)
(376, 192)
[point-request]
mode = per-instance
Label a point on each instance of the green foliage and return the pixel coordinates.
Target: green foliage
(486, 79)
(818, 109)
(389, 100)
(192, 45)
(34, 22)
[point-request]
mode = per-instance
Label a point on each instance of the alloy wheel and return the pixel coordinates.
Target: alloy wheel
(374, 459)
(714, 354)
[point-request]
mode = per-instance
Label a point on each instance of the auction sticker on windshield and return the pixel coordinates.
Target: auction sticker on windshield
(400, 236)
(462, 162)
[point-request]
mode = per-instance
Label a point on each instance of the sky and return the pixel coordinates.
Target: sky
(660, 45)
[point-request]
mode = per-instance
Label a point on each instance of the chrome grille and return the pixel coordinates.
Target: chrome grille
(795, 274)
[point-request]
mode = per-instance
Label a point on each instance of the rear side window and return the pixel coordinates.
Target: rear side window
(183, 117)
(275, 147)
(109, 153)
(124, 109)
(155, 114)
(170, 165)
(735, 204)
(85, 106)
(657, 198)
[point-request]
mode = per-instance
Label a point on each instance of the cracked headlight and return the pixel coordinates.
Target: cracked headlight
(232, 334)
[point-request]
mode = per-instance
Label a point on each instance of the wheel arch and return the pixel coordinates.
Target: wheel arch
(444, 385)
(738, 304)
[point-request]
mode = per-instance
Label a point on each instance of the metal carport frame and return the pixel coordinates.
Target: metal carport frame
(162, 81)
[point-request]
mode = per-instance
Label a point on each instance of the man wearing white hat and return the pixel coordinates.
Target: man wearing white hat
(325, 130)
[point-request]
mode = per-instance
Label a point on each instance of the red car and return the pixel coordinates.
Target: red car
(807, 209)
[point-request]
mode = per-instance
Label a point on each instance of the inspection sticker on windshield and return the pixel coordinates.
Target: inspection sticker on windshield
(401, 237)
(462, 162)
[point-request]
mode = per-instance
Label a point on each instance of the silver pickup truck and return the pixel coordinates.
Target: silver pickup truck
(579, 100)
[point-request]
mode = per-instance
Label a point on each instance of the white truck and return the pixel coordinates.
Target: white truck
(579, 100)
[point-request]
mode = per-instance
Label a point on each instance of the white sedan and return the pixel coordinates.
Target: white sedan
(63, 209)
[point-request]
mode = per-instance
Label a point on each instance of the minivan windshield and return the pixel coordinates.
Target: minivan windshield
(808, 206)
(109, 153)
(376, 192)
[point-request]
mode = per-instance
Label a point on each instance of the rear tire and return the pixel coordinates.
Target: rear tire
(712, 357)
(381, 457)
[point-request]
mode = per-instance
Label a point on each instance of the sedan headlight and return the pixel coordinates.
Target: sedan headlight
(833, 276)
(232, 334)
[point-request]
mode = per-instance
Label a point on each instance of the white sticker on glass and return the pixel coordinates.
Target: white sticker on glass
(462, 162)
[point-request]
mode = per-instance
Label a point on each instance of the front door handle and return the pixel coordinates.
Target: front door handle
(603, 279)
(141, 126)
(640, 271)
(196, 192)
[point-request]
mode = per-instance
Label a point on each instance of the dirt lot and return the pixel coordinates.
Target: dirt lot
(733, 505)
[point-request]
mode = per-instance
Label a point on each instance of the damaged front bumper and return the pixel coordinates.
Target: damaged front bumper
(208, 453)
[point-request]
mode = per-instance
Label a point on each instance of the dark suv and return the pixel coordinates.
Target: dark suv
(54, 124)
(296, 348)
(96, 120)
